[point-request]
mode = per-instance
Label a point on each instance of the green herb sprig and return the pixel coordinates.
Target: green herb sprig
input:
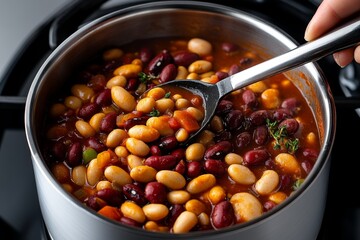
(281, 137)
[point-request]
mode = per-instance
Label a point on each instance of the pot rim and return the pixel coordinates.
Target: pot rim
(313, 68)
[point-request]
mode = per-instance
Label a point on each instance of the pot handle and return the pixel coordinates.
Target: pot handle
(70, 18)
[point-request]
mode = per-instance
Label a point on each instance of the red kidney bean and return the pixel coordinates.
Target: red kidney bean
(291, 125)
(307, 166)
(229, 47)
(261, 135)
(193, 169)
(108, 123)
(94, 143)
(222, 215)
(111, 196)
(156, 192)
(224, 107)
(181, 167)
(97, 82)
(221, 75)
(234, 119)
(110, 66)
(58, 150)
(178, 153)
(74, 155)
(135, 121)
(310, 154)
(145, 54)
(281, 114)
(249, 98)
(165, 162)
(245, 61)
(270, 164)
(215, 167)
(268, 205)
(104, 98)
(159, 62)
(285, 181)
(129, 222)
(94, 202)
(168, 73)
(256, 156)
(175, 211)
(223, 136)
(243, 139)
(132, 84)
(185, 58)
(168, 143)
(259, 117)
(218, 150)
(234, 69)
(87, 110)
(155, 150)
(292, 104)
(134, 193)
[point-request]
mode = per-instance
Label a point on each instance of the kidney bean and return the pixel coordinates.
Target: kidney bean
(168, 73)
(155, 150)
(245, 61)
(180, 167)
(234, 119)
(175, 211)
(104, 98)
(229, 47)
(110, 66)
(111, 196)
(168, 143)
(261, 135)
(193, 169)
(108, 123)
(215, 167)
(291, 104)
(141, 120)
(185, 58)
(221, 75)
(95, 202)
(307, 166)
(145, 54)
(218, 150)
(134, 193)
(129, 222)
(243, 139)
(94, 143)
(249, 98)
(165, 162)
(281, 114)
(97, 82)
(132, 84)
(178, 153)
(291, 125)
(74, 155)
(256, 156)
(155, 192)
(87, 110)
(222, 215)
(234, 69)
(224, 107)
(159, 62)
(285, 181)
(259, 117)
(223, 136)
(310, 154)
(268, 205)
(58, 150)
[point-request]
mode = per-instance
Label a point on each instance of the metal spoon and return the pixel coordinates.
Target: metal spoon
(346, 36)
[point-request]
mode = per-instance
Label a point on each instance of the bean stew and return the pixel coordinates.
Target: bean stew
(120, 154)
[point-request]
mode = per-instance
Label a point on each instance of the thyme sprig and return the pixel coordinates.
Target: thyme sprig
(281, 137)
(143, 77)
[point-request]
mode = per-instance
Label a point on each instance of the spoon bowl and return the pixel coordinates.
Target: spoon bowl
(346, 36)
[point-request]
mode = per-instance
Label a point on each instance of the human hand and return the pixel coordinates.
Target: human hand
(327, 16)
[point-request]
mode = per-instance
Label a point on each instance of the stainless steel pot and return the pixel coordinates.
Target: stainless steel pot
(299, 217)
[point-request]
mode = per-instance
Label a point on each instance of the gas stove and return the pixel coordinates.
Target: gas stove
(20, 215)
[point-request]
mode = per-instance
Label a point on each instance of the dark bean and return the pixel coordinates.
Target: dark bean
(215, 167)
(261, 135)
(222, 215)
(155, 150)
(104, 98)
(168, 143)
(135, 121)
(94, 143)
(268, 205)
(218, 150)
(243, 139)
(134, 193)
(95, 202)
(221, 75)
(229, 47)
(281, 114)
(74, 155)
(310, 154)
(164, 162)
(181, 167)
(58, 150)
(145, 54)
(245, 61)
(234, 69)
(87, 110)
(178, 153)
(185, 58)
(234, 119)
(111, 196)
(224, 107)
(194, 169)
(259, 117)
(249, 98)
(175, 211)
(97, 82)
(108, 123)
(223, 136)
(129, 222)
(256, 156)
(132, 84)
(155, 192)
(292, 104)
(159, 62)
(291, 126)
(168, 73)
(307, 166)
(285, 181)
(110, 66)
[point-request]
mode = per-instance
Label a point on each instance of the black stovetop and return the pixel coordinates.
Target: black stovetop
(19, 209)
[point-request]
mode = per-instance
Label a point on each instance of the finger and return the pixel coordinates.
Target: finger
(328, 14)
(357, 54)
(344, 57)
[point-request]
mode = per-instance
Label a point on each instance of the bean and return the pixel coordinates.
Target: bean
(246, 206)
(143, 174)
(104, 98)
(278, 197)
(241, 174)
(258, 87)
(73, 102)
(103, 185)
(94, 172)
(234, 68)
(155, 211)
(199, 46)
(128, 70)
(171, 179)
(141, 120)
(249, 98)
(195, 152)
(95, 144)
(291, 126)
(116, 137)
(82, 91)
(201, 183)
(116, 81)
(195, 206)
(95, 121)
(217, 194)
(164, 104)
(267, 182)
(288, 163)
(291, 104)
(256, 156)
(58, 150)
(229, 47)
(134, 193)
(310, 154)
(159, 62)
(117, 175)
(224, 107)
(164, 162)
(270, 98)
(185, 222)
(112, 53)
(200, 66)
(145, 105)
(193, 169)
(178, 196)
(133, 211)
(78, 175)
(218, 150)
(223, 215)
(61, 172)
(161, 124)
(259, 117)
(234, 119)
(232, 158)
(261, 135)
(182, 72)
(111, 196)
(74, 155)
(137, 147)
(84, 128)
(108, 122)
(168, 143)
(155, 192)
(185, 58)
(169, 72)
(123, 99)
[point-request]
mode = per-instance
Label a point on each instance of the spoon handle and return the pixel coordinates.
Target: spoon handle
(343, 37)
